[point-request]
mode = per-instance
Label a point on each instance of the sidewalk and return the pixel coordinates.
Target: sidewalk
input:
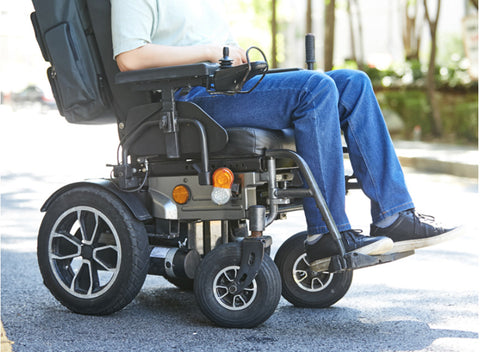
(454, 160)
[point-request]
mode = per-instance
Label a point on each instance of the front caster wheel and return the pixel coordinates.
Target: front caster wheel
(92, 253)
(303, 287)
(246, 309)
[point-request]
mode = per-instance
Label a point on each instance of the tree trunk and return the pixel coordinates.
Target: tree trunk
(308, 19)
(412, 30)
(273, 61)
(329, 34)
(435, 114)
(353, 52)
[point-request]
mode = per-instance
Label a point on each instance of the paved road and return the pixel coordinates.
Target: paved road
(427, 302)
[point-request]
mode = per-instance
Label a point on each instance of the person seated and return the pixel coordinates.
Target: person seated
(318, 106)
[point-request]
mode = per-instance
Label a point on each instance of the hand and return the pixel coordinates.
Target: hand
(237, 54)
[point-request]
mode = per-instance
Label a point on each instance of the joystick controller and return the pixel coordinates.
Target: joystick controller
(226, 61)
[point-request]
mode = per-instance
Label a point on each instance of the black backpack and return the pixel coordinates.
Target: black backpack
(64, 33)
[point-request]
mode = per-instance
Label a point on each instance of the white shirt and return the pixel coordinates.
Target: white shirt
(168, 22)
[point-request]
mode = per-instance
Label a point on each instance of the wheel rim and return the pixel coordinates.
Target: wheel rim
(84, 252)
(308, 280)
(230, 301)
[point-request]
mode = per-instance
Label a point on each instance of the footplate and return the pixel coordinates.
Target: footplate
(353, 261)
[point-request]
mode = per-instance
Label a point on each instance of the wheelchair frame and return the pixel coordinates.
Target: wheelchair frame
(137, 227)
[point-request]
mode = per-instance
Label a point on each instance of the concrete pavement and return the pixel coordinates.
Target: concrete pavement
(455, 160)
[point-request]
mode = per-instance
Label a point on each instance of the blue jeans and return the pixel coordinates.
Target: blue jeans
(318, 106)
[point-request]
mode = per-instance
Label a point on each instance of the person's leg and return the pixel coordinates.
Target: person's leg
(378, 170)
(371, 151)
(308, 102)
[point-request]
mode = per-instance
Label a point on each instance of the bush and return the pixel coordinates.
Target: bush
(458, 110)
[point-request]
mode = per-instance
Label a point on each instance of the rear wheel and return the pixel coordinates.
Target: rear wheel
(246, 309)
(303, 287)
(92, 253)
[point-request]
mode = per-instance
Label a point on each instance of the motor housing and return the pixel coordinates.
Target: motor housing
(174, 262)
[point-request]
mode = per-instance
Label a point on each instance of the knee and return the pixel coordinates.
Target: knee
(350, 78)
(321, 84)
(360, 78)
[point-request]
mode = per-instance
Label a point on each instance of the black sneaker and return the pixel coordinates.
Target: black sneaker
(412, 231)
(320, 250)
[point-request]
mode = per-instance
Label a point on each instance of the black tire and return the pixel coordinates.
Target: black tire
(92, 253)
(302, 287)
(246, 310)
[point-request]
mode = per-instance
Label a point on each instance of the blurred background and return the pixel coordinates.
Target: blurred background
(422, 55)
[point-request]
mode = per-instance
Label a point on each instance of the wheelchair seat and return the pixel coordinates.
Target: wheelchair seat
(249, 141)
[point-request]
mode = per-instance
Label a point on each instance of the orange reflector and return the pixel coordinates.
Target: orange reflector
(181, 194)
(223, 178)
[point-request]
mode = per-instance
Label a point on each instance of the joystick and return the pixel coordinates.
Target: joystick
(226, 61)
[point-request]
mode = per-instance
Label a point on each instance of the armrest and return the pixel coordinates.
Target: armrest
(174, 76)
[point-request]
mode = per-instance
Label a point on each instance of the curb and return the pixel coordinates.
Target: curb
(440, 166)
(457, 160)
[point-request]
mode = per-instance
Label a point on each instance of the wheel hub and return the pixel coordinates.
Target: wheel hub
(226, 290)
(87, 252)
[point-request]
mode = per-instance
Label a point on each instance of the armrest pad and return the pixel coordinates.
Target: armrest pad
(167, 74)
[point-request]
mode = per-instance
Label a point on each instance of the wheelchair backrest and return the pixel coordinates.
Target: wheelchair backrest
(75, 37)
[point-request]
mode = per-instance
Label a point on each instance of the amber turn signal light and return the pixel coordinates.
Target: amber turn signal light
(181, 194)
(223, 178)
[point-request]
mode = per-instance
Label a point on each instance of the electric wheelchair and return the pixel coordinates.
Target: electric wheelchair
(188, 199)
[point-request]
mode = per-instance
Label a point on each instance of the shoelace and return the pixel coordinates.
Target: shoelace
(422, 219)
(352, 233)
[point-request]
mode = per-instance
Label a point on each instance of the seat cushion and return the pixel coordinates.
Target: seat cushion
(249, 141)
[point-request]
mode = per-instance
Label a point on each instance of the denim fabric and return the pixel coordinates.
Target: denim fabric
(318, 106)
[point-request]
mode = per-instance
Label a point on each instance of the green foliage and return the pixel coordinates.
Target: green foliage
(401, 88)
(412, 74)
(458, 110)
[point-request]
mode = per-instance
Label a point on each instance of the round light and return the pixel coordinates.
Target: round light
(181, 194)
(221, 196)
(223, 178)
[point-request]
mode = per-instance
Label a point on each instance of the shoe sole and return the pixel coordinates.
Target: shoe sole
(410, 245)
(376, 248)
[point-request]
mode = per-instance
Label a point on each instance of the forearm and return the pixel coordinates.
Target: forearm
(154, 55)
